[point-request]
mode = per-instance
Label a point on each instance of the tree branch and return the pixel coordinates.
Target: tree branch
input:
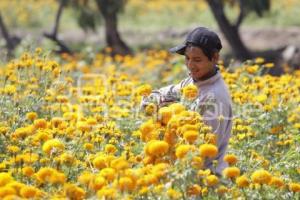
(53, 36)
(241, 16)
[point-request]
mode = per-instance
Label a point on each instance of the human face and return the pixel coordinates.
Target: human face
(198, 63)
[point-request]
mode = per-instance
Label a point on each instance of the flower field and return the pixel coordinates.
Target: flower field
(72, 127)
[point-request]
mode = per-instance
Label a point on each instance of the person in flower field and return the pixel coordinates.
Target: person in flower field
(201, 50)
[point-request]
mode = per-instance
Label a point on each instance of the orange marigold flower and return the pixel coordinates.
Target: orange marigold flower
(242, 181)
(208, 150)
(261, 176)
(230, 159)
(231, 172)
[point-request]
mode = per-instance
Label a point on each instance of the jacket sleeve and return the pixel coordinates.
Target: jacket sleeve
(165, 95)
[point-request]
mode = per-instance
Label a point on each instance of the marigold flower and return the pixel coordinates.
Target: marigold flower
(85, 178)
(110, 149)
(74, 192)
(173, 194)
(261, 176)
(230, 159)
(177, 108)
(100, 162)
(5, 178)
(29, 192)
(126, 183)
(144, 90)
(6, 191)
(231, 172)
(211, 180)
(242, 181)
(53, 145)
(108, 173)
(190, 92)
(28, 171)
(107, 193)
(165, 114)
(208, 150)
(191, 136)
(182, 150)
(277, 182)
(194, 190)
(98, 183)
(31, 116)
(157, 148)
(294, 187)
(40, 123)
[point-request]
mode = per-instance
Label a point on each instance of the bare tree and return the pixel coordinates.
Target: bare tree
(10, 40)
(231, 30)
(53, 34)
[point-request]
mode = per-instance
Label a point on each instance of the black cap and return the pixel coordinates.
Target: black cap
(202, 37)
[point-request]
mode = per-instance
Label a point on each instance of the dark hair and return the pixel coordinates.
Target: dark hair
(208, 52)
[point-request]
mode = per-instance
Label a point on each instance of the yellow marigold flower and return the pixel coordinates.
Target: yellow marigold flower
(191, 136)
(203, 173)
(204, 191)
(56, 121)
(165, 114)
(44, 174)
(182, 150)
(126, 183)
(231, 159)
(108, 173)
(4, 130)
(29, 192)
(85, 178)
(119, 164)
(13, 149)
(110, 149)
(144, 90)
(100, 162)
(53, 145)
(194, 190)
(261, 176)
(211, 138)
(190, 92)
(173, 194)
(67, 159)
(294, 187)
(211, 180)
(146, 130)
(88, 146)
(231, 172)
(31, 116)
(74, 192)
(98, 183)
(84, 126)
(222, 190)
(40, 123)
(28, 171)
(177, 108)
(157, 148)
(269, 65)
(197, 162)
(150, 108)
(107, 193)
(208, 150)
(259, 60)
(5, 178)
(261, 98)
(57, 178)
(277, 182)
(242, 181)
(6, 191)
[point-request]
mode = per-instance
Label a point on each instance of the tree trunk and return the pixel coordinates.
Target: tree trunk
(53, 36)
(230, 31)
(112, 36)
(11, 41)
